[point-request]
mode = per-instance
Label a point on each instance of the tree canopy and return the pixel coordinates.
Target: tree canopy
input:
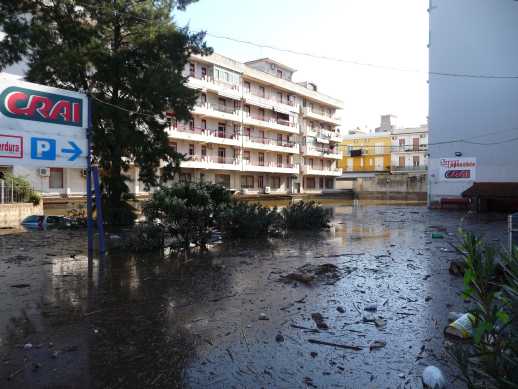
(129, 55)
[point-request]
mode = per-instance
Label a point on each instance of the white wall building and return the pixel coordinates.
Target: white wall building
(253, 130)
(473, 37)
(409, 150)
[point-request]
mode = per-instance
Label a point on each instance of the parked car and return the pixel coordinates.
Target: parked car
(43, 222)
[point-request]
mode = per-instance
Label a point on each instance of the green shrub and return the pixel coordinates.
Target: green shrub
(146, 237)
(246, 220)
(491, 283)
(306, 215)
(187, 212)
(35, 198)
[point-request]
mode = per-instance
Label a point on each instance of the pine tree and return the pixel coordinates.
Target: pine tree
(129, 55)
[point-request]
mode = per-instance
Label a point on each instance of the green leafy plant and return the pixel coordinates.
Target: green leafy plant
(306, 215)
(249, 220)
(491, 283)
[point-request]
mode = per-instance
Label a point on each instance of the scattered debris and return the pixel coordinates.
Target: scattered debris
(304, 328)
(319, 321)
(377, 344)
(368, 318)
(462, 327)
(340, 309)
(380, 323)
(338, 345)
(27, 346)
(426, 277)
(428, 298)
(371, 308)
(313, 354)
(309, 273)
(20, 285)
(437, 235)
(452, 316)
(433, 378)
(279, 338)
(262, 316)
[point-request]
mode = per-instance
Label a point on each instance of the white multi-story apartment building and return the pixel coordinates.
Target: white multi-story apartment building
(253, 130)
(256, 131)
(473, 116)
(409, 150)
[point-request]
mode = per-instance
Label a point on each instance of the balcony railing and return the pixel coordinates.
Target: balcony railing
(269, 119)
(212, 132)
(260, 163)
(212, 159)
(409, 148)
(269, 98)
(418, 168)
(269, 141)
(212, 81)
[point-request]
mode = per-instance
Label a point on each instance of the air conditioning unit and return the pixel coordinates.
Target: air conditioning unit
(267, 189)
(44, 171)
(84, 172)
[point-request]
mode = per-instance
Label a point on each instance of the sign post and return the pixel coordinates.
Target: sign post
(42, 126)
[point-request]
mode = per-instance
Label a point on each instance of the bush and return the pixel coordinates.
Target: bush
(125, 215)
(306, 215)
(35, 198)
(187, 212)
(146, 237)
(491, 282)
(245, 220)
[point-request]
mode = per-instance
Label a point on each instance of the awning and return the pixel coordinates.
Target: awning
(494, 190)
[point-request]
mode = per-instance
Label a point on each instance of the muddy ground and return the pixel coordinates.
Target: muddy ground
(232, 319)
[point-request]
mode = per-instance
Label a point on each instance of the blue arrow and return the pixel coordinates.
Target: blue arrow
(75, 151)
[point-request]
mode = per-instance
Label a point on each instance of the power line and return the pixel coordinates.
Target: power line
(327, 58)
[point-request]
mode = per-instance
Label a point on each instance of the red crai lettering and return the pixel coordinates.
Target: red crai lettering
(76, 117)
(61, 108)
(12, 99)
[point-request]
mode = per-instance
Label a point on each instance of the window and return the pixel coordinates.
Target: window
(247, 182)
(192, 69)
(402, 143)
(415, 144)
(279, 97)
(279, 160)
(309, 162)
(56, 178)
(310, 183)
(320, 182)
(246, 156)
(222, 102)
(203, 151)
(203, 124)
(203, 71)
(191, 125)
(415, 160)
(174, 146)
(222, 179)
(261, 113)
(204, 98)
(279, 139)
(247, 109)
(191, 149)
(279, 73)
(261, 159)
(221, 155)
(248, 132)
(275, 182)
(237, 104)
(261, 136)
(262, 91)
(330, 183)
(221, 130)
(202, 177)
(246, 86)
(260, 182)
(401, 161)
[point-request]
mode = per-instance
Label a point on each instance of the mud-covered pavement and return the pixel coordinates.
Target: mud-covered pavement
(231, 319)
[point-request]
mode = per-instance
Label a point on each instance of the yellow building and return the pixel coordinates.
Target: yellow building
(366, 153)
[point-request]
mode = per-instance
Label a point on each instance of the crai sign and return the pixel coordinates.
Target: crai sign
(457, 169)
(42, 126)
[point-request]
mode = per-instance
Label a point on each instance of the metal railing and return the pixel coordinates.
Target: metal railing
(269, 141)
(211, 132)
(10, 192)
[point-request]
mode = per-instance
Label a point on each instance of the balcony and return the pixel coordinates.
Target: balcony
(320, 115)
(270, 122)
(270, 167)
(322, 171)
(410, 148)
(409, 169)
(214, 163)
(321, 152)
(269, 102)
(221, 88)
(217, 111)
(269, 144)
(207, 135)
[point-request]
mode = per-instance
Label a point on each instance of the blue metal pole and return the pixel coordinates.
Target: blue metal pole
(89, 207)
(99, 208)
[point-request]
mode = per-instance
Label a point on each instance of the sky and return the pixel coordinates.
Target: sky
(387, 33)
